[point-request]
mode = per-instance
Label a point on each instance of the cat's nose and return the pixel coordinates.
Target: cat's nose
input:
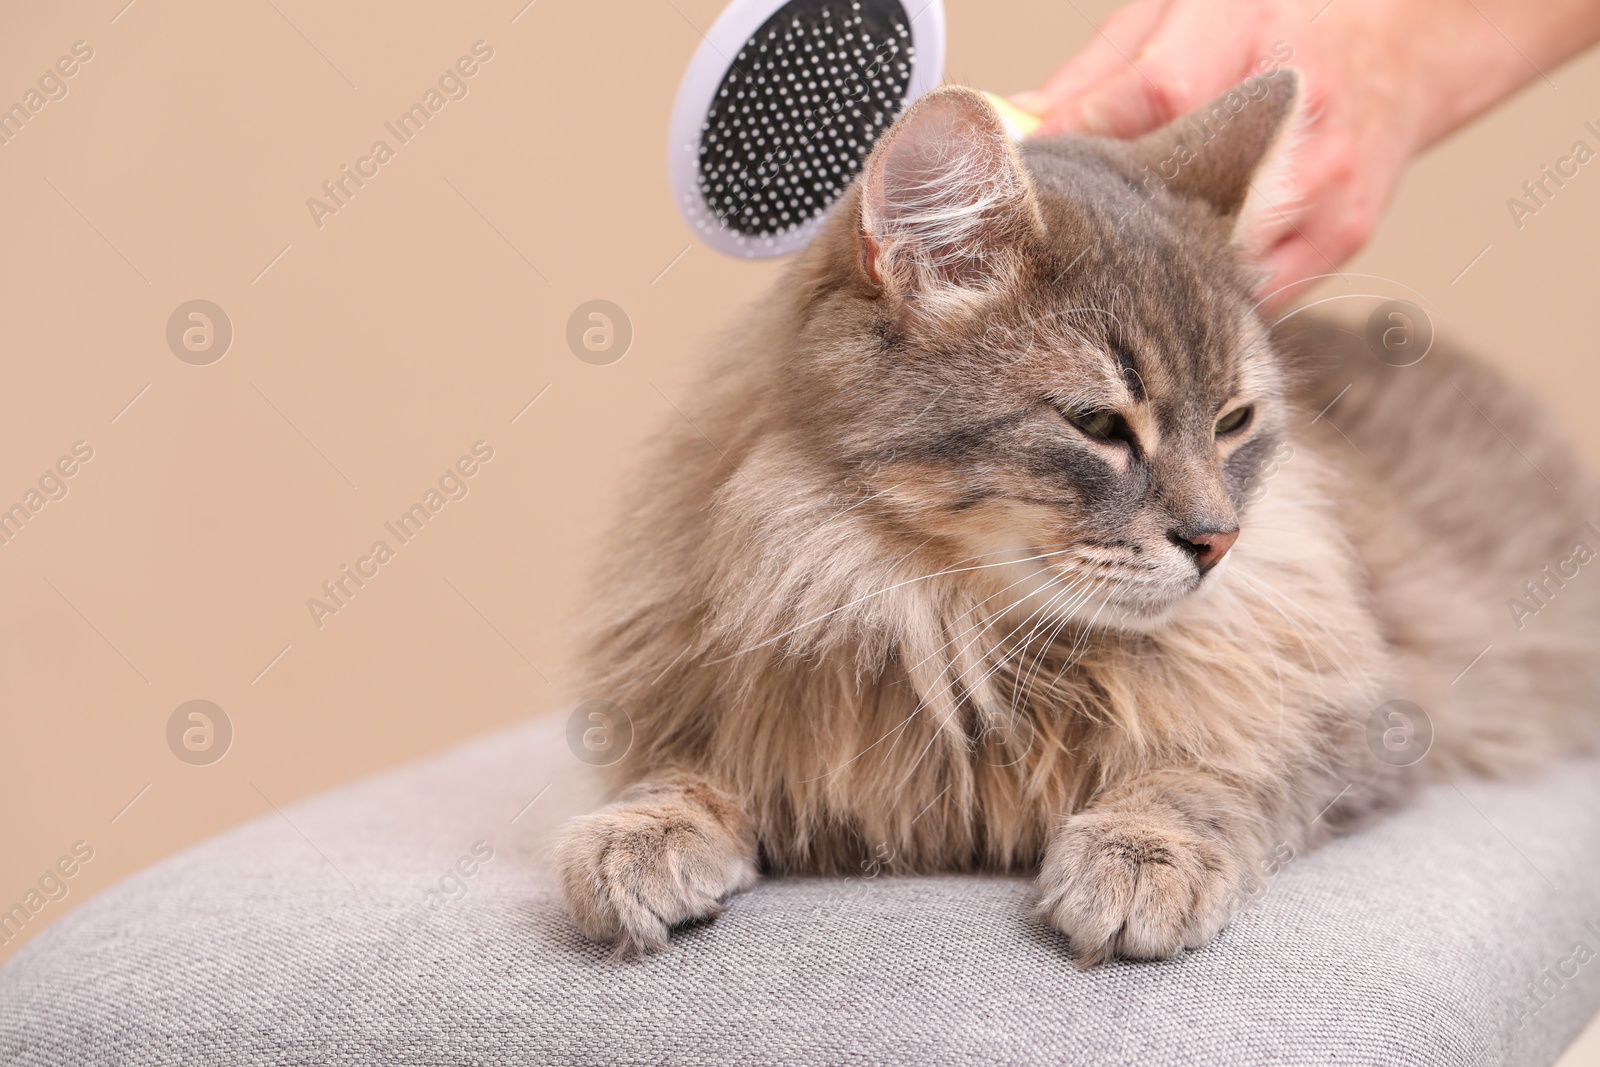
(1207, 546)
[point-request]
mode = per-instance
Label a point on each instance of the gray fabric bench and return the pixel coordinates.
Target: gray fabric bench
(336, 933)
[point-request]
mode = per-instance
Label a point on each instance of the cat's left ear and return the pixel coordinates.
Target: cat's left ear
(945, 204)
(1232, 152)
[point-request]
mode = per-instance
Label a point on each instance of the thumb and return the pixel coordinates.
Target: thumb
(1107, 52)
(1125, 105)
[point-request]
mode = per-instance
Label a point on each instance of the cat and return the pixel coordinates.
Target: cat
(1024, 542)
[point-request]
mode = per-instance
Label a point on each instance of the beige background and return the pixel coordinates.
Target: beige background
(370, 353)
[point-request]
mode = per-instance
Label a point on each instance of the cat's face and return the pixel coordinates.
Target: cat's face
(1065, 382)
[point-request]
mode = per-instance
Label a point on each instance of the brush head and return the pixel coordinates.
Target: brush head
(781, 106)
(799, 109)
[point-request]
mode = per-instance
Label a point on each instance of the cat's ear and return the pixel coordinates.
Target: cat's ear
(945, 203)
(1231, 152)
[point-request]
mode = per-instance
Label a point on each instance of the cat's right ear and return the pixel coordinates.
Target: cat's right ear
(1232, 153)
(945, 204)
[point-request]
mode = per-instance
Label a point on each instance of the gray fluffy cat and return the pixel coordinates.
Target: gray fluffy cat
(1034, 546)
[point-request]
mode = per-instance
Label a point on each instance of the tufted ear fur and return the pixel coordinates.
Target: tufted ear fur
(944, 203)
(1229, 152)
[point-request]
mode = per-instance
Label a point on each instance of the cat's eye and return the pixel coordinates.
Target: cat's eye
(1100, 425)
(1234, 421)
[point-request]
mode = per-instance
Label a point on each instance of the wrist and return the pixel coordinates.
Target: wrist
(1466, 56)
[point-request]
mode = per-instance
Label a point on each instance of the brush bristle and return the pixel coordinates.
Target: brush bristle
(799, 110)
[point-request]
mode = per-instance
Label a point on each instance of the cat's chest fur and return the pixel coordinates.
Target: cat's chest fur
(960, 737)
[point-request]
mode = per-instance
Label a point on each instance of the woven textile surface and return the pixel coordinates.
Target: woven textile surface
(347, 931)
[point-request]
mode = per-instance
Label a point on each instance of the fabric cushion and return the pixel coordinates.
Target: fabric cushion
(336, 933)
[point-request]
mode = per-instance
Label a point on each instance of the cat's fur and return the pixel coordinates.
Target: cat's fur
(902, 612)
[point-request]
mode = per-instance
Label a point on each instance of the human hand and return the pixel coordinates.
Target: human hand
(1382, 80)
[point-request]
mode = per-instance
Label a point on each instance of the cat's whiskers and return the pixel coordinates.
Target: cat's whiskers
(988, 621)
(1041, 611)
(1080, 645)
(915, 711)
(954, 661)
(1031, 675)
(984, 625)
(876, 593)
(1074, 592)
(955, 705)
(1080, 589)
(1006, 651)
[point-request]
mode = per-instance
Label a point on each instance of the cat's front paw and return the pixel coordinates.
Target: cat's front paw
(633, 871)
(1135, 884)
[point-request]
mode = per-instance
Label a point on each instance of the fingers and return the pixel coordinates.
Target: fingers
(1326, 214)
(1187, 58)
(1289, 266)
(1122, 35)
(1127, 104)
(1200, 51)
(1314, 248)
(1154, 61)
